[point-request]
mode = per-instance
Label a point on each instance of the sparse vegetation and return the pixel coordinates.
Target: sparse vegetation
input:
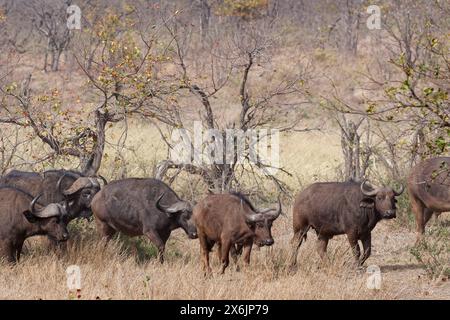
(434, 253)
(349, 102)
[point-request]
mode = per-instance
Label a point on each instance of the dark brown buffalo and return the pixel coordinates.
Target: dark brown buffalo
(334, 208)
(138, 207)
(20, 219)
(429, 190)
(231, 221)
(56, 186)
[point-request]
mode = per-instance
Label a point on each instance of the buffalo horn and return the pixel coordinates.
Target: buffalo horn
(399, 192)
(52, 210)
(174, 208)
(366, 192)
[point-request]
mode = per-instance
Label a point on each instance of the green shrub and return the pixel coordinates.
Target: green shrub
(433, 252)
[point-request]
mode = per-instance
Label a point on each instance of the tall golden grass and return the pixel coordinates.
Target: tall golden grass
(118, 270)
(114, 271)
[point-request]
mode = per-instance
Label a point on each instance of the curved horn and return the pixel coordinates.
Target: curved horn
(58, 184)
(274, 213)
(33, 203)
(81, 183)
(52, 210)
(65, 174)
(94, 182)
(366, 192)
(105, 182)
(397, 193)
(173, 208)
(254, 217)
(157, 202)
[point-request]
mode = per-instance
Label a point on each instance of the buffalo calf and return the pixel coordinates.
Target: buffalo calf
(231, 221)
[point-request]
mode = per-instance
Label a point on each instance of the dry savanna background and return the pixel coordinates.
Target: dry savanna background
(353, 92)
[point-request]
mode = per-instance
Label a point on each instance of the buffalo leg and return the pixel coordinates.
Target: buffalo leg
(235, 256)
(105, 230)
(353, 240)
(299, 236)
(322, 243)
(427, 214)
(18, 250)
(219, 250)
(8, 252)
(236, 251)
(158, 242)
(418, 209)
(205, 248)
(367, 248)
(247, 251)
(225, 255)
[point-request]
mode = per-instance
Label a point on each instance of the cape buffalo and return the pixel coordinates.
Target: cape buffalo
(334, 208)
(138, 206)
(56, 186)
(429, 190)
(231, 221)
(20, 219)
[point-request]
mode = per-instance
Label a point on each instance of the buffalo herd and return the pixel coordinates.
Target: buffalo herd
(44, 203)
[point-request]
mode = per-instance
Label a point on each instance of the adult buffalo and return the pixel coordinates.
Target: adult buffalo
(334, 208)
(138, 206)
(22, 217)
(56, 186)
(231, 221)
(429, 190)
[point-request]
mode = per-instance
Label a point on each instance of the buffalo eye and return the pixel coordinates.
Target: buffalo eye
(260, 225)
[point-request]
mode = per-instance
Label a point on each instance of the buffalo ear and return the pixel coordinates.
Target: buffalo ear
(367, 203)
(30, 217)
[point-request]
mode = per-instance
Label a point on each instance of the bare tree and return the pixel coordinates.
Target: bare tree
(356, 155)
(236, 58)
(116, 70)
(351, 18)
(49, 18)
(205, 16)
(417, 97)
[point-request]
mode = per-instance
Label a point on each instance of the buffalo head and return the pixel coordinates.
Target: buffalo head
(49, 219)
(382, 199)
(181, 212)
(79, 195)
(261, 222)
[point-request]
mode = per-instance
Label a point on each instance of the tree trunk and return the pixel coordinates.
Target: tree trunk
(205, 14)
(351, 149)
(91, 164)
(352, 20)
(56, 56)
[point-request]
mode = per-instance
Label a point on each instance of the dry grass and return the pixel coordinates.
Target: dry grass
(114, 272)
(117, 272)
